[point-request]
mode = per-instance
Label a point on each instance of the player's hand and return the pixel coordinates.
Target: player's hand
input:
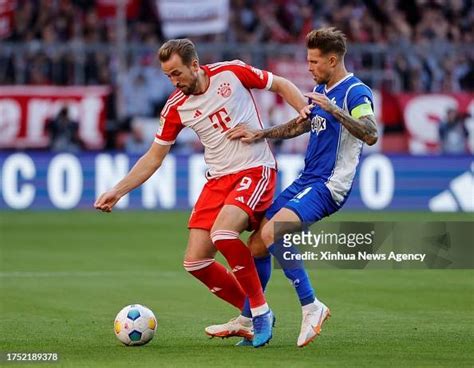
(306, 111)
(107, 201)
(242, 132)
(321, 100)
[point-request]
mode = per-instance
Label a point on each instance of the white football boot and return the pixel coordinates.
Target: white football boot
(314, 316)
(239, 326)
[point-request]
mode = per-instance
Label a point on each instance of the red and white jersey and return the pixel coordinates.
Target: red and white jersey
(226, 103)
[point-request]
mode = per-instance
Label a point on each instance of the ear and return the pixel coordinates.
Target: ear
(333, 59)
(195, 65)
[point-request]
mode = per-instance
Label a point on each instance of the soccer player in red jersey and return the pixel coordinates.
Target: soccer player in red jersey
(211, 99)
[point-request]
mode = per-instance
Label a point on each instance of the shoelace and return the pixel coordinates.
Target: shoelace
(235, 320)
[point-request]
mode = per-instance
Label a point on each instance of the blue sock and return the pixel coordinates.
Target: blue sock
(294, 271)
(264, 270)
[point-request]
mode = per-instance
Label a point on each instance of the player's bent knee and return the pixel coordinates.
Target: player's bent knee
(223, 235)
(267, 234)
(256, 245)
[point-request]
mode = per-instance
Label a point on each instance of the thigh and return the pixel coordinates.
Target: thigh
(199, 246)
(285, 221)
(208, 205)
(231, 218)
(282, 199)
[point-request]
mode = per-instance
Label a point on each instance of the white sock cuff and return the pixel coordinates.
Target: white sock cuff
(258, 311)
(197, 265)
(224, 235)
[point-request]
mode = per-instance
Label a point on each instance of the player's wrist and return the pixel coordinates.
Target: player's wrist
(117, 192)
(333, 108)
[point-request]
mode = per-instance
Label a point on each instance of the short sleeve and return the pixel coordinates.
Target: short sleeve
(170, 122)
(360, 101)
(250, 76)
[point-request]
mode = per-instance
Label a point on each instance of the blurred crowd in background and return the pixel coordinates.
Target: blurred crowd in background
(428, 45)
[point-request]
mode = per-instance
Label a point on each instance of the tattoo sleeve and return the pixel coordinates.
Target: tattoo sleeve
(364, 128)
(291, 129)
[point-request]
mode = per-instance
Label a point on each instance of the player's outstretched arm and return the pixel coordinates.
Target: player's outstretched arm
(363, 128)
(140, 172)
(291, 129)
(289, 92)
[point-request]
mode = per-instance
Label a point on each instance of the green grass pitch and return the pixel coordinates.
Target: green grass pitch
(64, 276)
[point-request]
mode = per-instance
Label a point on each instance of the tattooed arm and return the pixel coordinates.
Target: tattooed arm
(293, 128)
(363, 128)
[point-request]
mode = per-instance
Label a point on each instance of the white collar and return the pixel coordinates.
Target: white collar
(338, 83)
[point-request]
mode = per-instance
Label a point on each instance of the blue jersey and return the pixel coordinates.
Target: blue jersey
(333, 153)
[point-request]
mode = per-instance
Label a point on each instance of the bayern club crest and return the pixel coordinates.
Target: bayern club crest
(224, 90)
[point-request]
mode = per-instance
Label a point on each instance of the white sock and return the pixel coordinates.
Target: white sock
(264, 308)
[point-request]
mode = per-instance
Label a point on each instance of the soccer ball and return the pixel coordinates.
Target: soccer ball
(135, 325)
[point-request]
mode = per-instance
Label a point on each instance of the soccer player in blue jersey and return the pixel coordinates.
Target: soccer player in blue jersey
(340, 120)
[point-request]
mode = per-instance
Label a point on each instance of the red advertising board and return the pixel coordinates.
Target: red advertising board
(24, 111)
(422, 114)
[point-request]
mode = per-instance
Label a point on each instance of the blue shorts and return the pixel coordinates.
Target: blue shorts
(310, 201)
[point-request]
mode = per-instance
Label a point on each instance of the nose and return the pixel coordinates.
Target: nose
(174, 80)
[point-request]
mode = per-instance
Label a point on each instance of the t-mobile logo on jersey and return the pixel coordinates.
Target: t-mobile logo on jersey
(220, 118)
